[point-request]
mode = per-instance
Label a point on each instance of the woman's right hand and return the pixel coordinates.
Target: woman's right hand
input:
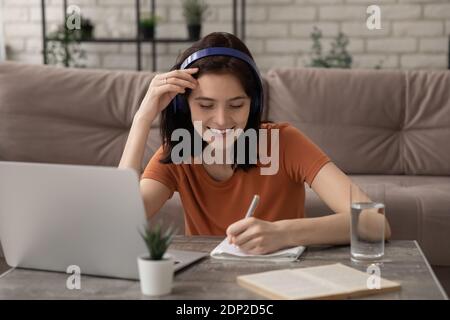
(163, 88)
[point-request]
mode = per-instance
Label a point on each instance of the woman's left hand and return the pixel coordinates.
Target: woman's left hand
(255, 236)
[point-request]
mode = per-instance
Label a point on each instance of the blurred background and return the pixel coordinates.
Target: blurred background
(414, 34)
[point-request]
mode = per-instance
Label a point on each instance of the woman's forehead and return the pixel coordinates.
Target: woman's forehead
(216, 83)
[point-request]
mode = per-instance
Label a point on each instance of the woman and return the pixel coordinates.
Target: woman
(220, 94)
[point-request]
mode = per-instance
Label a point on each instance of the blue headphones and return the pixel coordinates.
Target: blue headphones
(256, 105)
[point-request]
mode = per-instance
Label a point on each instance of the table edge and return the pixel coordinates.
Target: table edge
(433, 275)
(7, 272)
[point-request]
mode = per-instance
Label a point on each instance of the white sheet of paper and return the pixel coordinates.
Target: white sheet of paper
(228, 251)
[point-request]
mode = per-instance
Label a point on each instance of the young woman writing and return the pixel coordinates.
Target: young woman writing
(215, 87)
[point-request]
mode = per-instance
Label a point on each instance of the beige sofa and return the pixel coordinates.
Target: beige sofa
(386, 127)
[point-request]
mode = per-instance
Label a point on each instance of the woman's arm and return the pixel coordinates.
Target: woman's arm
(135, 146)
(329, 230)
(333, 187)
(161, 91)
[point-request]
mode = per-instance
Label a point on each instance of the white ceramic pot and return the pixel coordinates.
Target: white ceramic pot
(156, 276)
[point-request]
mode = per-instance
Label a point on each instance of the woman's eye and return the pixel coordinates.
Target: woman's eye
(205, 106)
(237, 106)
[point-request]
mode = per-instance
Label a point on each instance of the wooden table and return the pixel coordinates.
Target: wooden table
(216, 279)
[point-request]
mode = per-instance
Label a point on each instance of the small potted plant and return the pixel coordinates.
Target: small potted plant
(194, 12)
(86, 30)
(147, 25)
(156, 267)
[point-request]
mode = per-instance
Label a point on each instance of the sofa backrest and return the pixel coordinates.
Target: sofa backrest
(369, 121)
(70, 116)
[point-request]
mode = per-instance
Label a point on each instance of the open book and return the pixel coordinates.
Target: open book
(228, 251)
(335, 281)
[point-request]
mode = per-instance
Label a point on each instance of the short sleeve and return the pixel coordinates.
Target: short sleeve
(302, 158)
(160, 171)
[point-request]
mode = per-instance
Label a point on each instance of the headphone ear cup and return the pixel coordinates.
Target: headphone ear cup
(179, 104)
(256, 104)
(182, 103)
(174, 105)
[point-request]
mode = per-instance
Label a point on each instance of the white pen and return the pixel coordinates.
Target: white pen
(252, 207)
(250, 210)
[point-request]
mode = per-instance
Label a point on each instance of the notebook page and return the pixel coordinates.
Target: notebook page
(224, 250)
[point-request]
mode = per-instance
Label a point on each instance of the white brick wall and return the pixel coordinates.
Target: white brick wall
(388, 45)
(422, 60)
(402, 12)
(418, 28)
(414, 34)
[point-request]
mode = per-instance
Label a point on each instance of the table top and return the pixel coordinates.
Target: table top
(210, 278)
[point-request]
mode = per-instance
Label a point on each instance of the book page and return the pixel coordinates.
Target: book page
(342, 277)
(310, 283)
(288, 284)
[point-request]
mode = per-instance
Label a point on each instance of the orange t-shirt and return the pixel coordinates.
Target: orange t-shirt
(210, 206)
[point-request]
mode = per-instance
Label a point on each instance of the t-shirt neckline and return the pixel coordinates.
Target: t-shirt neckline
(210, 180)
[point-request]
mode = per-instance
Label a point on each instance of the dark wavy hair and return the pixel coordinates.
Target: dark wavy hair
(216, 65)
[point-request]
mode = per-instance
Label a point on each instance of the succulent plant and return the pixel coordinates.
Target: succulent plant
(157, 240)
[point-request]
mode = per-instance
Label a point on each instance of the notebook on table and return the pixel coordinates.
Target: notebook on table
(335, 281)
(230, 252)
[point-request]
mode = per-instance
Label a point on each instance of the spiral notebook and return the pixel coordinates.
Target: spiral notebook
(230, 252)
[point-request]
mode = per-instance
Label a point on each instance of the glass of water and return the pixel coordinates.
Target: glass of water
(367, 222)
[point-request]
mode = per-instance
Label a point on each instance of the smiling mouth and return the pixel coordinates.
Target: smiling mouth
(221, 131)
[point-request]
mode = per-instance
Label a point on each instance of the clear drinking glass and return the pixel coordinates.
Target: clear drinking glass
(367, 222)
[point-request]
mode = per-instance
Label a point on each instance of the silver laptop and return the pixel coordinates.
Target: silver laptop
(53, 216)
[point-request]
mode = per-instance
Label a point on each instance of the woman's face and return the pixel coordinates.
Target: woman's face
(220, 102)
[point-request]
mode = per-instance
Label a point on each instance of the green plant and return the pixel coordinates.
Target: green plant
(64, 48)
(337, 57)
(86, 29)
(149, 20)
(86, 23)
(194, 11)
(157, 240)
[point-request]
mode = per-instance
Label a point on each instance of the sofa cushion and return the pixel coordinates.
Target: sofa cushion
(353, 116)
(426, 129)
(369, 121)
(70, 116)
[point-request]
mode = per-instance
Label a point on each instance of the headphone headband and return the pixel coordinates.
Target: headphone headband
(224, 51)
(219, 51)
